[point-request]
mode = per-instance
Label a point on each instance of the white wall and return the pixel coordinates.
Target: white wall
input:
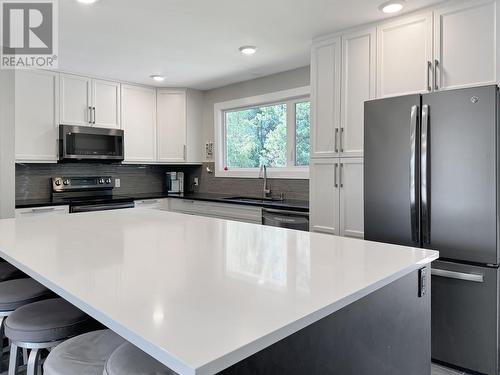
(7, 163)
(281, 81)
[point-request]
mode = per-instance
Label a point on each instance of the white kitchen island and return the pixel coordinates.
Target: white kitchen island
(206, 296)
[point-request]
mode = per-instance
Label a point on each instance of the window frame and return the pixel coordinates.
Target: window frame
(290, 98)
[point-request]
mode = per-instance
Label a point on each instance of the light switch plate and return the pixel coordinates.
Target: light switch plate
(196, 182)
(117, 182)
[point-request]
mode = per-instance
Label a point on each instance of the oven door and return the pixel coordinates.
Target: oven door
(100, 207)
(89, 143)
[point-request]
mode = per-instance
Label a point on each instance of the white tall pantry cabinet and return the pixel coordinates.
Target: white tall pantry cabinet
(449, 47)
(342, 78)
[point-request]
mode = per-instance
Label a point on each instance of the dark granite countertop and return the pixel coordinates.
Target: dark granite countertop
(287, 204)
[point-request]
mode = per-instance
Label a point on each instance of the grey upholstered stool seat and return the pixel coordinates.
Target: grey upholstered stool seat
(43, 325)
(82, 355)
(130, 360)
(49, 320)
(9, 272)
(20, 292)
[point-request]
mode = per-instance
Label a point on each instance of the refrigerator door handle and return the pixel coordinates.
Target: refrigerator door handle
(413, 173)
(424, 174)
(476, 278)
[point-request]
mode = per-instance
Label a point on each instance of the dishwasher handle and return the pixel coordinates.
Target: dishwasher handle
(285, 212)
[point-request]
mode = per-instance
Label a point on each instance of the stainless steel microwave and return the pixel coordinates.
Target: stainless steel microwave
(90, 144)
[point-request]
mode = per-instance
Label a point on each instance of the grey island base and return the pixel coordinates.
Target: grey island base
(387, 332)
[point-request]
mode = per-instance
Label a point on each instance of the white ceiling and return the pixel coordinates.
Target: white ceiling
(194, 43)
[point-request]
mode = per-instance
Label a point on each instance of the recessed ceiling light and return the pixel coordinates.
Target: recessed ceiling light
(392, 6)
(158, 78)
(87, 1)
(248, 50)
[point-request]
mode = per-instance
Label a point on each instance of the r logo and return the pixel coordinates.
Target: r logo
(27, 28)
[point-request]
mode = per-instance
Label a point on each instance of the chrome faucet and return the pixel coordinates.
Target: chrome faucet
(266, 190)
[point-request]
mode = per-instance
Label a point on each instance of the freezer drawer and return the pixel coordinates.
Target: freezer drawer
(464, 316)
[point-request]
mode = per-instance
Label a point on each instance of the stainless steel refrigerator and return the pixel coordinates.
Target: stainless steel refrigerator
(431, 180)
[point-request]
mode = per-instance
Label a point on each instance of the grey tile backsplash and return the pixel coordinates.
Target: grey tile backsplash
(33, 180)
(293, 188)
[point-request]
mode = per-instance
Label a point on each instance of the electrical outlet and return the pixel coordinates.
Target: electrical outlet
(117, 182)
(195, 181)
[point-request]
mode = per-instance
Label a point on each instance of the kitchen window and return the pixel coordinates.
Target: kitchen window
(271, 130)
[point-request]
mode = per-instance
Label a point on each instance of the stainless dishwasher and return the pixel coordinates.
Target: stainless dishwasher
(286, 219)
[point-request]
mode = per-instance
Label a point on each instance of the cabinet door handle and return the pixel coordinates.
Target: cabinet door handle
(335, 175)
(342, 140)
(155, 201)
(341, 172)
(42, 210)
(90, 115)
(429, 69)
(93, 109)
(436, 64)
(185, 152)
(336, 138)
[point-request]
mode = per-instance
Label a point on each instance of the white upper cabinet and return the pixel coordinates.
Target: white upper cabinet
(36, 115)
(76, 100)
(139, 123)
(465, 44)
(90, 102)
(325, 98)
(171, 125)
(404, 56)
(351, 197)
(106, 104)
(358, 85)
(324, 195)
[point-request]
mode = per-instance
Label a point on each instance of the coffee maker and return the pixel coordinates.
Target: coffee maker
(175, 182)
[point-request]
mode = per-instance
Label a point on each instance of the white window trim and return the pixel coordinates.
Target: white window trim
(259, 100)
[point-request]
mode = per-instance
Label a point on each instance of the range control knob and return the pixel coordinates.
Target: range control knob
(66, 182)
(101, 181)
(58, 182)
(108, 181)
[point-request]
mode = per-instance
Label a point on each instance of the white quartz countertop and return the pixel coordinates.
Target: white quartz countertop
(199, 294)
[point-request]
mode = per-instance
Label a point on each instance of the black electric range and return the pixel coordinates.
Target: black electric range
(86, 194)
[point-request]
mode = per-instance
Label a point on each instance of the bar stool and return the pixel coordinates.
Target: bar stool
(17, 293)
(82, 355)
(130, 360)
(43, 325)
(9, 272)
